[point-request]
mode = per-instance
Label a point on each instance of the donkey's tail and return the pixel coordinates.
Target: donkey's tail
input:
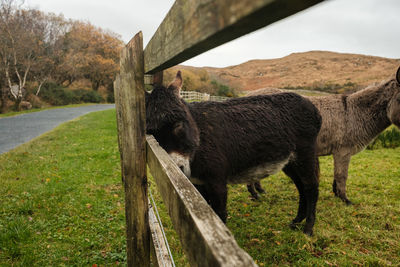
(317, 170)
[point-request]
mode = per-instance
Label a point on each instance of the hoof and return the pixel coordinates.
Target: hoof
(348, 202)
(345, 200)
(308, 232)
(254, 196)
(294, 226)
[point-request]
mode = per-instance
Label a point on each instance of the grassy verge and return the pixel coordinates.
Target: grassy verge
(15, 113)
(61, 198)
(62, 204)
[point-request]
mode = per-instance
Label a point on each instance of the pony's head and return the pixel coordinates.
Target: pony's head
(393, 109)
(169, 120)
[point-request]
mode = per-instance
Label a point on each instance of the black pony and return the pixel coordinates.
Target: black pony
(239, 141)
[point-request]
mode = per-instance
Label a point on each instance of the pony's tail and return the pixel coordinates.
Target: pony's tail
(317, 170)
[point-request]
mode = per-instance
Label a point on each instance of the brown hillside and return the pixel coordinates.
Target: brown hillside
(312, 70)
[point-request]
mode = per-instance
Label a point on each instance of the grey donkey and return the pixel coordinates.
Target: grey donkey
(349, 124)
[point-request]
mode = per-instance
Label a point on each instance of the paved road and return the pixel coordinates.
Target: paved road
(17, 130)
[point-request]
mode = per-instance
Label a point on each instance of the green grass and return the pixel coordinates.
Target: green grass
(366, 233)
(62, 204)
(390, 138)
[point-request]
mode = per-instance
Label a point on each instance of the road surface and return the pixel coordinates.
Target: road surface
(17, 130)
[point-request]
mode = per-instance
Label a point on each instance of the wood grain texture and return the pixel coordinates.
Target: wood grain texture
(160, 255)
(130, 108)
(192, 27)
(204, 237)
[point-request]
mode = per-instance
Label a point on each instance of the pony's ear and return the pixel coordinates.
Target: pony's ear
(398, 75)
(176, 84)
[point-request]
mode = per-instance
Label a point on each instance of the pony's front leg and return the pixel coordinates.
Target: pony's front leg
(341, 165)
(217, 196)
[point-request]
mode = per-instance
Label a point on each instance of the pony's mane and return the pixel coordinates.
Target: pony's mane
(386, 86)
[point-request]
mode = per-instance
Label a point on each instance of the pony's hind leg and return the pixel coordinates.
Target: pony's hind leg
(259, 188)
(305, 174)
(252, 190)
(290, 171)
(252, 187)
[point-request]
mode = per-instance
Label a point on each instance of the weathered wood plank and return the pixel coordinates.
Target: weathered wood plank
(130, 108)
(204, 237)
(160, 253)
(192, 27)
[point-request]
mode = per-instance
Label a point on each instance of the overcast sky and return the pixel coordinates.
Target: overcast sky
(370, 27)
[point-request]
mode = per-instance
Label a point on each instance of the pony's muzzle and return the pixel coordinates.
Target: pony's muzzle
(182, 161)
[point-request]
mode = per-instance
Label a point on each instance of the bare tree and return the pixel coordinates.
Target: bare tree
(52, 29)
(36, 47)
(27, 43)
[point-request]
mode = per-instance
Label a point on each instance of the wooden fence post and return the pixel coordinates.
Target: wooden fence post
(131, 117)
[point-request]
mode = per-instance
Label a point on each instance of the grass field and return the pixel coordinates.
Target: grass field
(62, 204)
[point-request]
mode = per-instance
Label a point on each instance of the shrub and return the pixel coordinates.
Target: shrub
(91, 97)
(58, 95)
(223, 90)
(35, 101)
(110, 97)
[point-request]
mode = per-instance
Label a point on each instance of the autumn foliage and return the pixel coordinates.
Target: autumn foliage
(38, 48)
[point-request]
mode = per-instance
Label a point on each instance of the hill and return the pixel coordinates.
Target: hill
(315, 70)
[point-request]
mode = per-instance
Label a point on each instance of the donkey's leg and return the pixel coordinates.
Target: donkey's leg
(309, 175)
(252, 187)
(217, 195)
(341, 161)
(259, 187)
(306, 176)
(252, 190)
(202, 190)
(334, 187)
(290, 171)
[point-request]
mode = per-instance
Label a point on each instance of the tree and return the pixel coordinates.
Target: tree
(36, 47)
(92, 53)
(24, 36)
(51, 30)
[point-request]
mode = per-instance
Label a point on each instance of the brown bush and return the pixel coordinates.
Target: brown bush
(25, 105)
(8, 105)
(36, 101)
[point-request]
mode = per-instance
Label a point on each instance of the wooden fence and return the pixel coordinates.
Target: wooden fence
(196, 96)
(218, 98)
(190, 28)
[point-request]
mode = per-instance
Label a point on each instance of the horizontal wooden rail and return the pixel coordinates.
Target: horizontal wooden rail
(159, 250)
(192, 27)
(204, 237)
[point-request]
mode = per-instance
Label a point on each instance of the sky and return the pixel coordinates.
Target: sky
(369, 27)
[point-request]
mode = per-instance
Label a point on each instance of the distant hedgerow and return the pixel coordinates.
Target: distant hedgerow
(57, 95)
